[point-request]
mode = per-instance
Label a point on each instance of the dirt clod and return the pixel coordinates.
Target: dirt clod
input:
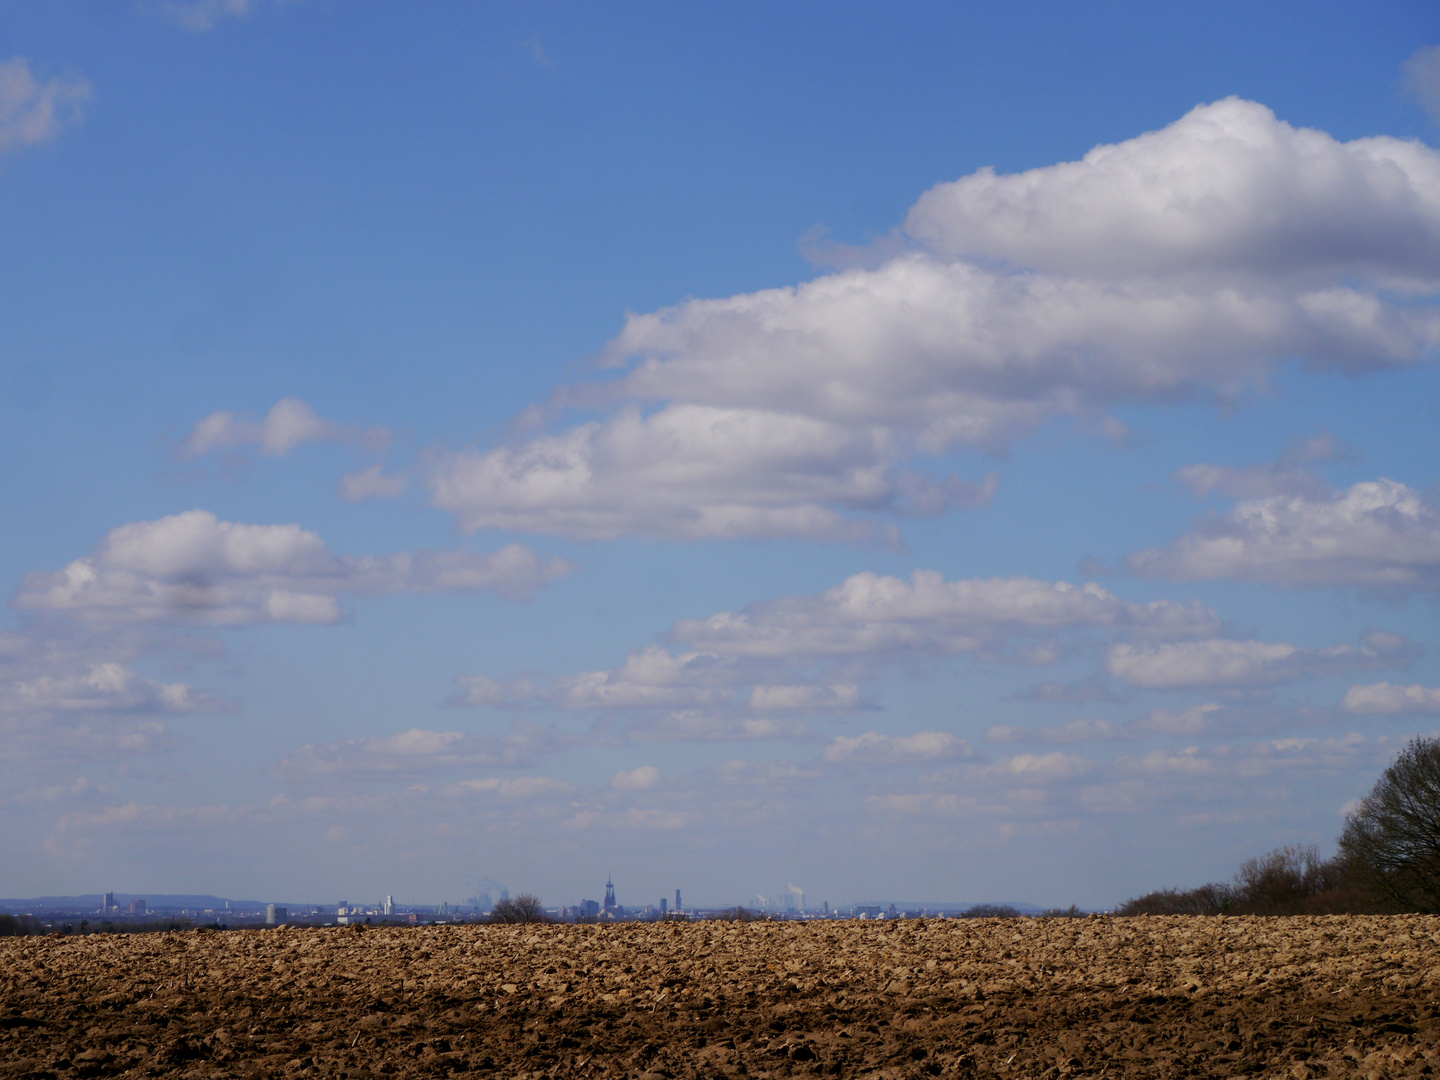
(1341, 996)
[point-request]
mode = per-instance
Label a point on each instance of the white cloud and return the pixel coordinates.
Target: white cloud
(413, 753)
(871, 615)
(962, 355)
(727, 676)
(372, 483)
(875, 748)
(194, 568)
(837, 698)
(1028, 770)
(696, 725)
(105, 686)
(737, 772)
(641, 779)
(1286, 476)
(692, 472)
(514, 787)
(1422, 78)
(1075, 731)
(1378, 534)
(203, 15)
(37, 738)
(1224, 663)
(33, 111)
(1386, 699)
(1227, 188)
(1192, 261)
(289, 423)
(1195, 721)
(76, 697)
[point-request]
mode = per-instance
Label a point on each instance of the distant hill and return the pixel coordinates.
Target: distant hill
(153, 901)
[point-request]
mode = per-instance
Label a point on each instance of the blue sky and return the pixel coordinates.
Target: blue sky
(951, 453)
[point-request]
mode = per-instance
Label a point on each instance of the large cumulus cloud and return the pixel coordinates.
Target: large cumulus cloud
(1188, 262)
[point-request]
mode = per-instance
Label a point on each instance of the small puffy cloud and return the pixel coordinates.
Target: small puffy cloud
(1422, 78)
(30, 738)
(194, 568)
(1196, 720)
(1075, 731)
(78, 789)
(1376, 534)
(695, 725)
(202, 15)
(33, 110)
(103, 687)
(1191, 722)
(642, 779)
(1239, 664)
(1285, 476)
(413, 753)
(1387, 699)
(71, 696)
(691, 472)
(512, 787)
(1029, 770)
(810, 698)
(372, 483)
(289, 423)
(729, 676)
(874, 615)
(873, 748)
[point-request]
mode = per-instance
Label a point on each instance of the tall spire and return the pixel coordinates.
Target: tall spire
(610, 903)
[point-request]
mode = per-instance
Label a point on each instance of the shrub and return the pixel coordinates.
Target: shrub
(524, 908)
(991, 911)
(738, 914)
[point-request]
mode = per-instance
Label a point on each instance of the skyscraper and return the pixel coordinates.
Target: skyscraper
(678, 905)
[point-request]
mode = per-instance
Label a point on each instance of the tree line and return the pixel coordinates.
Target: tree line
(1387, 859)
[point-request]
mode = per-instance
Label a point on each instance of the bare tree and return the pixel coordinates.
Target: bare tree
(1392, 840)
(524, 908)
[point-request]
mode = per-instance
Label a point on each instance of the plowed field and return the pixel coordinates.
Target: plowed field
(1143, 997)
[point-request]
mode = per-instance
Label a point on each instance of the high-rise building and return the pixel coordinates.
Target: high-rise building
(388, 908)
(107, 903)
(275, 914)
(678, 906)
(662, 905)
(137, 906)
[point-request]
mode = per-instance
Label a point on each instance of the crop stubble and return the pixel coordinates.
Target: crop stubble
(1140, 997)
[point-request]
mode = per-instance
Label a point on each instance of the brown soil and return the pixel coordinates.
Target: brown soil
(1141, 997)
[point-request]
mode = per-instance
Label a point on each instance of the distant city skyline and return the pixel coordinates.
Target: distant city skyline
(793, 451)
